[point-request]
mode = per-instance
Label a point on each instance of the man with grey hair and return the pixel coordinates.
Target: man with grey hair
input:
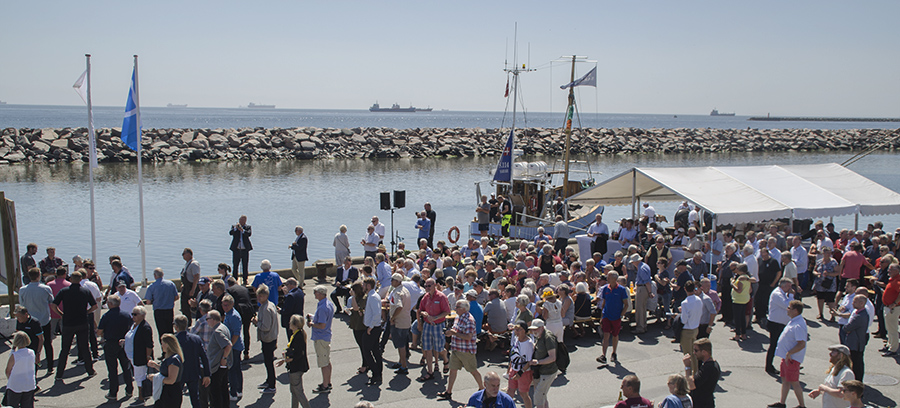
(112, 328)
(218, 353)
(162, 294)
(400, 322)
(371, 350)
(298, 253)
(321, 335)
(293, 305)
(201, 327)
(491, 396)
(462, 348)
(190, 281)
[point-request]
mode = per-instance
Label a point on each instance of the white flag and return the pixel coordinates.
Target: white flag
(81, 86)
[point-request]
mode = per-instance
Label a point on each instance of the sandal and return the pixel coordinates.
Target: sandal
(322, 388)
(362, 370)
(425, 377)
(446, 369)
(443, 396)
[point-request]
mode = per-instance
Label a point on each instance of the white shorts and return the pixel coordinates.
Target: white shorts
(140, 373)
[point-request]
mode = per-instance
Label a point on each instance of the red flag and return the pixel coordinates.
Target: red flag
(506, 95)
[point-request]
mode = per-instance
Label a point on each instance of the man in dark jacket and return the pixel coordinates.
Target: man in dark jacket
(854, 335)
(195, 373)
(78, 303)
(112, 327)
(298, 254)
(343, 278)
(245, 307)
(240, 245)
(293, 305)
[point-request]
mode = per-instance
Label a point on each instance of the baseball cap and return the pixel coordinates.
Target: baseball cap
(397, 277)
(203, 281)
(536, 323)
(472, 293)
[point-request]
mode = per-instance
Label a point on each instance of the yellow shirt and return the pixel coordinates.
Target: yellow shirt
(742, 297)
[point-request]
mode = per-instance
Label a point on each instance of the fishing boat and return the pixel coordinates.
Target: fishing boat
(538, 191)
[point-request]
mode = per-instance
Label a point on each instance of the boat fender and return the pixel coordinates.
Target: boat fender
(451, 236)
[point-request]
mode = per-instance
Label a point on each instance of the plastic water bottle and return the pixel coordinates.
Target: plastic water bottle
(712, 282)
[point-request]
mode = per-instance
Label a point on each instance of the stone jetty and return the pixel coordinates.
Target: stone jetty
(25, 145)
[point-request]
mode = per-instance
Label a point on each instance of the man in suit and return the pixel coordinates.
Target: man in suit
(298, 254)
(195, 373)
(343, 278)
(855, 335)
(293, 305)
(240, 245)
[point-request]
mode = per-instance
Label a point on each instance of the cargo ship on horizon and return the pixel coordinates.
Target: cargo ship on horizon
(252, 105)
(396, 108)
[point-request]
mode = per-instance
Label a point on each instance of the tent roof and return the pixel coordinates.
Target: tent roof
(751, 193)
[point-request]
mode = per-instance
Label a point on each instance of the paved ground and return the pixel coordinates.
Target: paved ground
(650, 356)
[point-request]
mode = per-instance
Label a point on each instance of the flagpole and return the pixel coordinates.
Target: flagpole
(137, 105)
(92, 158)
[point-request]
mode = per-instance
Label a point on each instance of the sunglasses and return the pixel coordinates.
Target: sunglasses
(135, 314)
(89, 267)
(428, 286)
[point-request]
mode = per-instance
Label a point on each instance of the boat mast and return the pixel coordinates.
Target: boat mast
(570, 111)
(515, 71)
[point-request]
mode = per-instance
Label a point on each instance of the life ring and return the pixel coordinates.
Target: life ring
(532, 205)
(450, 235)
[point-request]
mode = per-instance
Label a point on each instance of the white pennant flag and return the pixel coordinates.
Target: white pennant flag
(81, 86)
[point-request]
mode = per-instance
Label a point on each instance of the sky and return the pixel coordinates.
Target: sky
(812, 58)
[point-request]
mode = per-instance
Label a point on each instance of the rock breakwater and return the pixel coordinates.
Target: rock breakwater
(19, 145)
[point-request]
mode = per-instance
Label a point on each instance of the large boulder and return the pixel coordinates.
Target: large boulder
(15, 156)
(40, 147)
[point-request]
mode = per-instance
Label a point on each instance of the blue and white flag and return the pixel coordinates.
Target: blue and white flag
(131, 129)
(589, 79)
(504, 167)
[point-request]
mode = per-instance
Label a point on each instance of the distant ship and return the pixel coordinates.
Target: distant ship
(2, 103)
(255, 106)
(173, 105)
(396, 108)
(715, 112)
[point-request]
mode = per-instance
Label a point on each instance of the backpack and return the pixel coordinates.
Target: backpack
(562, 356)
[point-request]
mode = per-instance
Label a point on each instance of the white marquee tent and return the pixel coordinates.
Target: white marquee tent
(750, 193)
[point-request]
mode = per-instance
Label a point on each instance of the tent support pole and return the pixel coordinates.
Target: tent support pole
(633, 191)
(856, 221)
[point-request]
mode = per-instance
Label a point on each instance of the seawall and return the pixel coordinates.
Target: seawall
(19, 145)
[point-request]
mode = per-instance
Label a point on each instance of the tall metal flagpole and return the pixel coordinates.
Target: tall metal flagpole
(137, 106)
(93, 158)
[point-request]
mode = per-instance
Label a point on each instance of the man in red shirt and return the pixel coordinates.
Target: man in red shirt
(433, 310)
(631, 390)
(891, 300)
(851, 266)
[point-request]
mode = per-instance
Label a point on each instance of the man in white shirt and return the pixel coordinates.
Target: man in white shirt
(379, 229)
(777, 318)
(650, 213)
(801, 259)
(694, 217)
(772, 247)
(822, 241)
(370, 242)
(129, 298)
(599, 232)
(691, 311)
(92, 321)
(792, 349)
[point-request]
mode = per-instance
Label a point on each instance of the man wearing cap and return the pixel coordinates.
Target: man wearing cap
(643, 292)
(162, 294)
(791, 349)
(543, 361)
(475, 309)
(463, 346)
(400, 321)
(204, 292)
(129, 298)
(613, 302)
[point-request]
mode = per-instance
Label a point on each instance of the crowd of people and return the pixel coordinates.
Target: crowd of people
(525, 298)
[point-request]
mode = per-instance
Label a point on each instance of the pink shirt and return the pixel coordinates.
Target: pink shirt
(56, 285)
(852, 261)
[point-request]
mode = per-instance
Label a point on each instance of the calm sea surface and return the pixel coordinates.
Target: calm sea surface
(194, 204)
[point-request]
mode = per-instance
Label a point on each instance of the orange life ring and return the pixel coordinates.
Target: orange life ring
(450, 235)
(532, 205)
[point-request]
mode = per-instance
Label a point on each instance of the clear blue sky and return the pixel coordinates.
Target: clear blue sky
(834, 58)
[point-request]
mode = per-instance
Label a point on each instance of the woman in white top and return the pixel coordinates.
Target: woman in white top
(840, 371)
(551, 310)
(20, 371)
(341, 245)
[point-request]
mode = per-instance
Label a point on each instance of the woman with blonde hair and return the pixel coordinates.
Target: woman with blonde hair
(341, 245)
(679, 398)
(138, 346)
(20, 371)
(171, 369)
(297, 362)
(841, 370)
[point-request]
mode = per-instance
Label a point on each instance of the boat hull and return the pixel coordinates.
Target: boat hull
(528, 232)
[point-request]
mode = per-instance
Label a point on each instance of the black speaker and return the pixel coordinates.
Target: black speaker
(399, 198)
(385, 200)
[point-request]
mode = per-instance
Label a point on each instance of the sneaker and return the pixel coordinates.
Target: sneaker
(614, 358)
(268, 390)
(394, 366)
(402, 371)
(322, 388)
(262, 386)
(234, 398)
(601, 359)
(110, 396)
(776, 405)
(890, 354)
(79, 362)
